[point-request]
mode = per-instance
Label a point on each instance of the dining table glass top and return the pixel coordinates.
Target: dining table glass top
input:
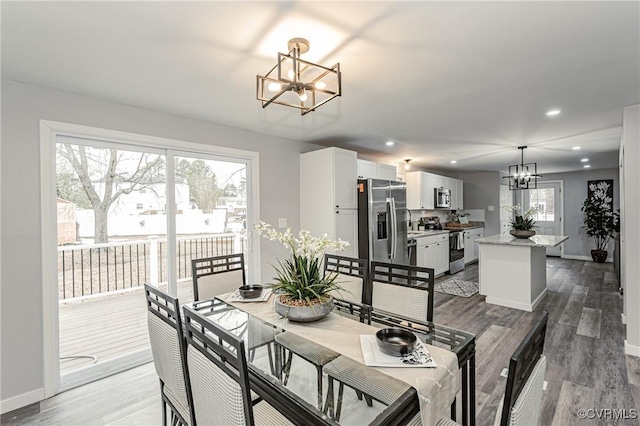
(283, 356)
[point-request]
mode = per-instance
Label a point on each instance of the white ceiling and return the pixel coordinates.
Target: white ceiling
(468, 81)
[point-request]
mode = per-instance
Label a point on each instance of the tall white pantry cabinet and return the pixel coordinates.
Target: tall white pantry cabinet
(328, 195)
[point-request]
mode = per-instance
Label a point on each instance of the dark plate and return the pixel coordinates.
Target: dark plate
(250, 291)
(396, 341)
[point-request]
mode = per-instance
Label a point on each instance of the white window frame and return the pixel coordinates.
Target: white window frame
(49, 132)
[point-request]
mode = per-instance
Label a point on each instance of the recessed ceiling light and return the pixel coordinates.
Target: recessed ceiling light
(453, 161)
(575, 148)
(584, 160)
(553, 112)
(389, 143)
(586, 166)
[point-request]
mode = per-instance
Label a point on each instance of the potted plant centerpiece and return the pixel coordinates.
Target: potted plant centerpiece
(522, 225)
(600, 220)
(303, 290)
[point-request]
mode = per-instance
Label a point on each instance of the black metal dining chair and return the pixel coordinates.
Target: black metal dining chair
(402, 289)
(522, 399)
(169, 355)
(220, 378)
(398, 289)
(213, 276)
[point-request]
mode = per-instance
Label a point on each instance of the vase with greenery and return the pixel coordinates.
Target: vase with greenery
(522, 224)
(600, 221)
(304, 291)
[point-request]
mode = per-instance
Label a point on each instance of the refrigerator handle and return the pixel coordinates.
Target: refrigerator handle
(394, 228)
(389, 227)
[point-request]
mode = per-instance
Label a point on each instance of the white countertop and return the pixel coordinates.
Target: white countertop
(535, 241)
(419, 234)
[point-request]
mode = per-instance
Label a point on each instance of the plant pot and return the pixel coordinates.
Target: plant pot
(599, 256)
(304, 313)
(522, 234)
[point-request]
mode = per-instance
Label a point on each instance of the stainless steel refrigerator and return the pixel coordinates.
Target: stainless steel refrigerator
(382, 221)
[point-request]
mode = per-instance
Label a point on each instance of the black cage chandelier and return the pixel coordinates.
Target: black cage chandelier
(298, 83)
(523, 175)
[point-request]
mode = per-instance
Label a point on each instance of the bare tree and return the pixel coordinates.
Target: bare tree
(104, 182)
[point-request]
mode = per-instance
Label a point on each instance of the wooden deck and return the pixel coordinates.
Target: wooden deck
(106, 327)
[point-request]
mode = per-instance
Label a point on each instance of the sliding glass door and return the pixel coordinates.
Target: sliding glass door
(127, 214)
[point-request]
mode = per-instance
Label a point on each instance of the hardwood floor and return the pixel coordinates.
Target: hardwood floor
(587, 367)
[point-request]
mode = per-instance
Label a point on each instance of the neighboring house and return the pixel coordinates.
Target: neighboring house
(67, 222)
(150, 200)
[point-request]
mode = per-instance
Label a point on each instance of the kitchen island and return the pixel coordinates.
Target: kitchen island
(513, 271)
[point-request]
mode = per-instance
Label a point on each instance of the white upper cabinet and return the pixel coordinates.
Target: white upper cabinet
(367, 170)
(386, 172)
(371, 170)
(421, 190)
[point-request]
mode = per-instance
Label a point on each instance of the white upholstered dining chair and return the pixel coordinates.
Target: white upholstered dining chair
(219, 377)
(169, 355)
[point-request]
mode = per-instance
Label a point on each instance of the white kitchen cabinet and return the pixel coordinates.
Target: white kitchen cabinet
(367, 170)
(371, 170)
(386, 172)
(442, 256)
(346, 221)
(420, 190)
(471, 249)
(328, 186)
(433, 252)
(458, 195)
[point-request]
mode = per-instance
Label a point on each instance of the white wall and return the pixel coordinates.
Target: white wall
(630, 210)
(23, 106)
(481, 190)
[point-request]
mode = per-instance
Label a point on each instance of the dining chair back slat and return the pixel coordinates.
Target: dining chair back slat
(213, 276)
(352, 275)
(218, 373)
(402, 289)
(169, 351)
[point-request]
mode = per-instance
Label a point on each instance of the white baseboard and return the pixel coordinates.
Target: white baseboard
(623, 317)
(20, 401)
(517, 305)
(576, 257)
(631, 349)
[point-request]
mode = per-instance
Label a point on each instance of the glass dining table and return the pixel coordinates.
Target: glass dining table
(291, 385)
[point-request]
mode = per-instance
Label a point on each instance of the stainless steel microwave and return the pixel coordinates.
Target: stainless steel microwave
(443, 198)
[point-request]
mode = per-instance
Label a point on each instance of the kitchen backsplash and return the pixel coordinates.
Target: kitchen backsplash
(474, 215)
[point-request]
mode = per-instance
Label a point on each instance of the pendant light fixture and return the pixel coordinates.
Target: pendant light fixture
(407, 166)
(523, 175)
(298, 83)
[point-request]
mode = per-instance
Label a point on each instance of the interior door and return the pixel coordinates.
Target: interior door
(548, 199)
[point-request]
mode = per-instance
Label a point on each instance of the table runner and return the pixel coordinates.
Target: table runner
(436, 387)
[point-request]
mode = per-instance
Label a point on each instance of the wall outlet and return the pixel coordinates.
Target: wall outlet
(282, 222)
(491, 208)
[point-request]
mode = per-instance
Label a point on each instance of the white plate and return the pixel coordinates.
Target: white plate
(236, 297)
(374, 357)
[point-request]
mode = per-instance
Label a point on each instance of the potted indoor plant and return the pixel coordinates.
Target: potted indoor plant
(303, 290)
(600, 221)
(522, 225)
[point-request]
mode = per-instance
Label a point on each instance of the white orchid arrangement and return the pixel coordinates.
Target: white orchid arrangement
(300, 278)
